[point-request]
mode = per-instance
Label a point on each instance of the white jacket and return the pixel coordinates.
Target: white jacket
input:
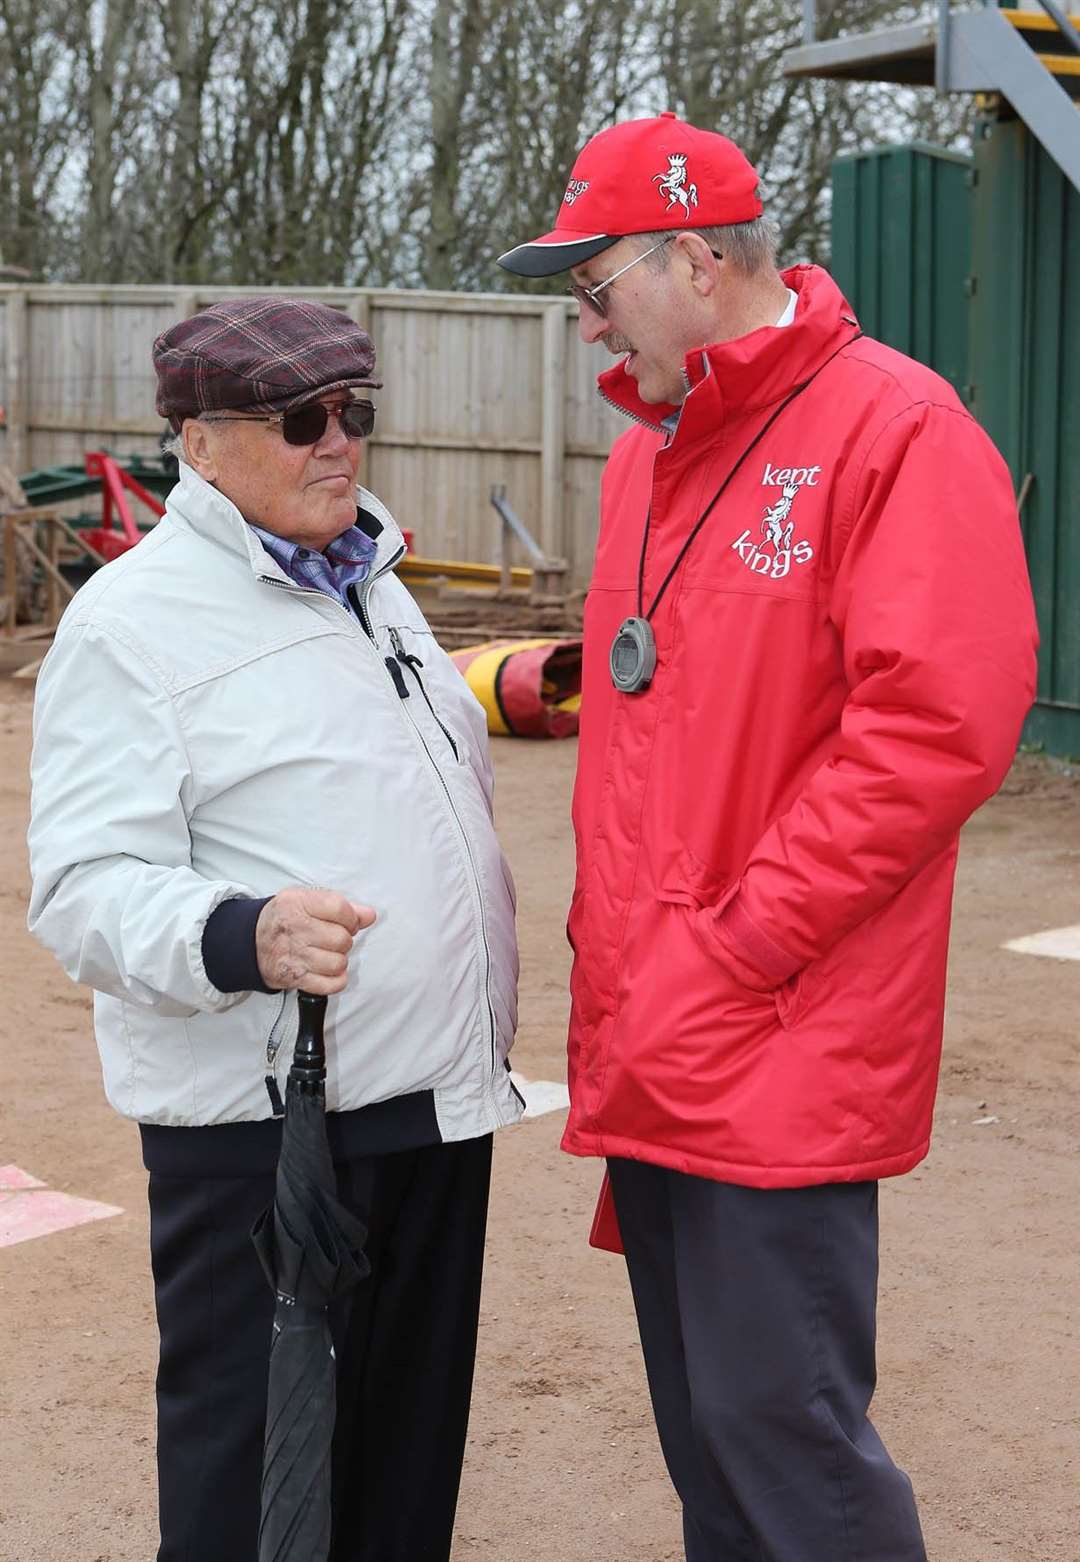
(205, 728)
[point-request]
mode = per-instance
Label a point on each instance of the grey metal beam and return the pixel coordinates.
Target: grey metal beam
(865, 54)
(987, 54)
(809, 20)
(941, 57)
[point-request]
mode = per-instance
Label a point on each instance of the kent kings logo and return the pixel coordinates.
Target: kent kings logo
(777, 528)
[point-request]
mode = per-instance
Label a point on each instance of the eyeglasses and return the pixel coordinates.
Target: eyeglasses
(591, 295)
(307, 425)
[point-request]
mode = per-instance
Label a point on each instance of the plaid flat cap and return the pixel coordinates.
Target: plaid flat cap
(259, 354)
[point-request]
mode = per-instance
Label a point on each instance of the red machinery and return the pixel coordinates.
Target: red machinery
(109, 539)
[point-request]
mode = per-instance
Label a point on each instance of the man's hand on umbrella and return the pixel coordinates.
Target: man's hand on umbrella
(303, 938)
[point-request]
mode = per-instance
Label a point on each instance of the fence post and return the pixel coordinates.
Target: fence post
(359, 309)
(553, 539)
(18, 383)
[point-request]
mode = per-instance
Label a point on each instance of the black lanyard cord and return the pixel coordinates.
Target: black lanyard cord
(703, 517)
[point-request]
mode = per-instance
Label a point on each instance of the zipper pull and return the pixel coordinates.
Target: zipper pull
(393, 667)
(400, 652)
(276, 1103)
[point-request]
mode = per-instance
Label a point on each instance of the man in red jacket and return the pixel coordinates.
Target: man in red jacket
(809, 649)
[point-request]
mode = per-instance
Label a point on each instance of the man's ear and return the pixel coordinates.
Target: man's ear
(703, 264)
(199, 448)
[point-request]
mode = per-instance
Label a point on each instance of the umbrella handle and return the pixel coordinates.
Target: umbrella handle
(308, 1071)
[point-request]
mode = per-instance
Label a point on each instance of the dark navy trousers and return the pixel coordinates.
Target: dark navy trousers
(756, 1310)
(405, 1343)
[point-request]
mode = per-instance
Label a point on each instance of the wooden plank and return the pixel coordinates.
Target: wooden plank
(360, 311)
(11, 490)
(18, 380)
(52, 590)
(61, 423)
(11, 575)
(382, 298)
(553, 432)
(44, 560)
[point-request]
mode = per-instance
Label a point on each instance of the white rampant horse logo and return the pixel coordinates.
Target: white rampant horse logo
(772, 528)
(673, 184)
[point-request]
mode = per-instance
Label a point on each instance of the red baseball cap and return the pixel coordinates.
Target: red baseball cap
(643, 176)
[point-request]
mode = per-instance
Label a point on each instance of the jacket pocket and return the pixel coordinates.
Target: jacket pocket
(791, 998)
(788, 1000)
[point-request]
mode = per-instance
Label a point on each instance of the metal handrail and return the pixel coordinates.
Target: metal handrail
(1064, 26)
(547, 573)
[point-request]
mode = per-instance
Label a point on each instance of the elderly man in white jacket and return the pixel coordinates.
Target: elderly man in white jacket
(254, 771)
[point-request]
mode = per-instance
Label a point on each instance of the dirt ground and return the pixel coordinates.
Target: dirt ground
(980, 1267)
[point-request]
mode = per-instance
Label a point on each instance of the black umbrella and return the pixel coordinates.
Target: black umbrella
(311, 1248)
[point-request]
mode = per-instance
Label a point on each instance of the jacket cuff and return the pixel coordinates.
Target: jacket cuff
(754, 956)
(228, 946)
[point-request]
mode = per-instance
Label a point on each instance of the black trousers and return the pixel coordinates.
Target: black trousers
(405, 1343)
(756, 1309)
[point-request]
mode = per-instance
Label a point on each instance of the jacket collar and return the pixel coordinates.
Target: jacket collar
(197, 506)
(727, 379)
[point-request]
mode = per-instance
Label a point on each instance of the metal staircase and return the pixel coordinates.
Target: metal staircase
(1028, 55)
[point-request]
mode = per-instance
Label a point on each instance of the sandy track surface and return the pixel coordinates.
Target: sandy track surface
(980, 1267)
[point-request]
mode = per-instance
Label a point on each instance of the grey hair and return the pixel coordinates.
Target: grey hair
(173, 445)
(751, 247)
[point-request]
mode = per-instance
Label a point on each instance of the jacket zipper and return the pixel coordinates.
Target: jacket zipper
(474, 871)
(393, 668)
(635, 417)
(273, 1047)
(413, 663)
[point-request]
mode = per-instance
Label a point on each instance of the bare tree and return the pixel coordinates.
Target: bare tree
(405, 142)
(36, 119)
(108, 37)
(456, 30)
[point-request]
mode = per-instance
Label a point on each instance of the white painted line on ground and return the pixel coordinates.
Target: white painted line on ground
(1057, 943)
(541, 1095)
(30, 1209)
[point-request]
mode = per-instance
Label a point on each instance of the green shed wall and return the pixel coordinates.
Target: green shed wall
(1025, 372)
(901, 250)
(964, 264)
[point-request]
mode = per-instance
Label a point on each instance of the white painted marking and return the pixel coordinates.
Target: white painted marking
(1057, 943)
(30, 1209)
(541, 1095)
(12, 1177)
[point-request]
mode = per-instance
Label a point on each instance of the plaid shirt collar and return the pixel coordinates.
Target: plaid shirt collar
(343, 563)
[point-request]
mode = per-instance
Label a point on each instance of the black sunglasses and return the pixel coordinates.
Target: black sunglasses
(307, 425)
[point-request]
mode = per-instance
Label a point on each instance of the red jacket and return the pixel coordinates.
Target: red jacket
(767, 835)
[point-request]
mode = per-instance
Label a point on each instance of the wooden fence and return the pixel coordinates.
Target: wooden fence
(480, 389)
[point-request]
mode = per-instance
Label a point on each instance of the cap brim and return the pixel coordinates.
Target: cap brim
(301, 399)
(555, 252)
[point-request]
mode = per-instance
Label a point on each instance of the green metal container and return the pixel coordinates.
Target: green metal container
(901, 250)
(1025, 373)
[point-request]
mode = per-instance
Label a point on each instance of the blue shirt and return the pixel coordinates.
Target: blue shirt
(343, 563)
